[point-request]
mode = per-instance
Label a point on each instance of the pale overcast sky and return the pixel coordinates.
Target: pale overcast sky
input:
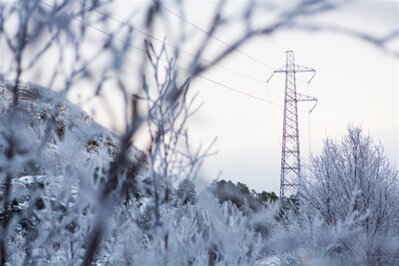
(356, 83)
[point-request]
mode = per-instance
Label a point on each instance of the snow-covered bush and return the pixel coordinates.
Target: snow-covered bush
(193, 234)
(348, 210)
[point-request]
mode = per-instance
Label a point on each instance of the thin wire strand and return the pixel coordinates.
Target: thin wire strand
(309, 126)
(273, 114)
(216, 38)
(241, 92)
(256, 33)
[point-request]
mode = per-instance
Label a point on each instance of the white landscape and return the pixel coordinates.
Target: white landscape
(116, 117)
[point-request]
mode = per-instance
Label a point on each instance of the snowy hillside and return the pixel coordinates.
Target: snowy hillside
(65, 135)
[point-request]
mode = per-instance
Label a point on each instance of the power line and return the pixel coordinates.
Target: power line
(182, 68)
(216, 38)
(264, 39)
(179, 49)
(241, 92)
(256, 33)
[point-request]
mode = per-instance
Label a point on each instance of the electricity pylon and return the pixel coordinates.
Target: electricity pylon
(291, 177)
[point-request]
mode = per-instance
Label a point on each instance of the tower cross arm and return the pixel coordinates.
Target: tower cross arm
(299, 68)
(295, 69)
(306, 98)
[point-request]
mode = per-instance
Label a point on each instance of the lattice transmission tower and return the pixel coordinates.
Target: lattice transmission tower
(290, 179)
